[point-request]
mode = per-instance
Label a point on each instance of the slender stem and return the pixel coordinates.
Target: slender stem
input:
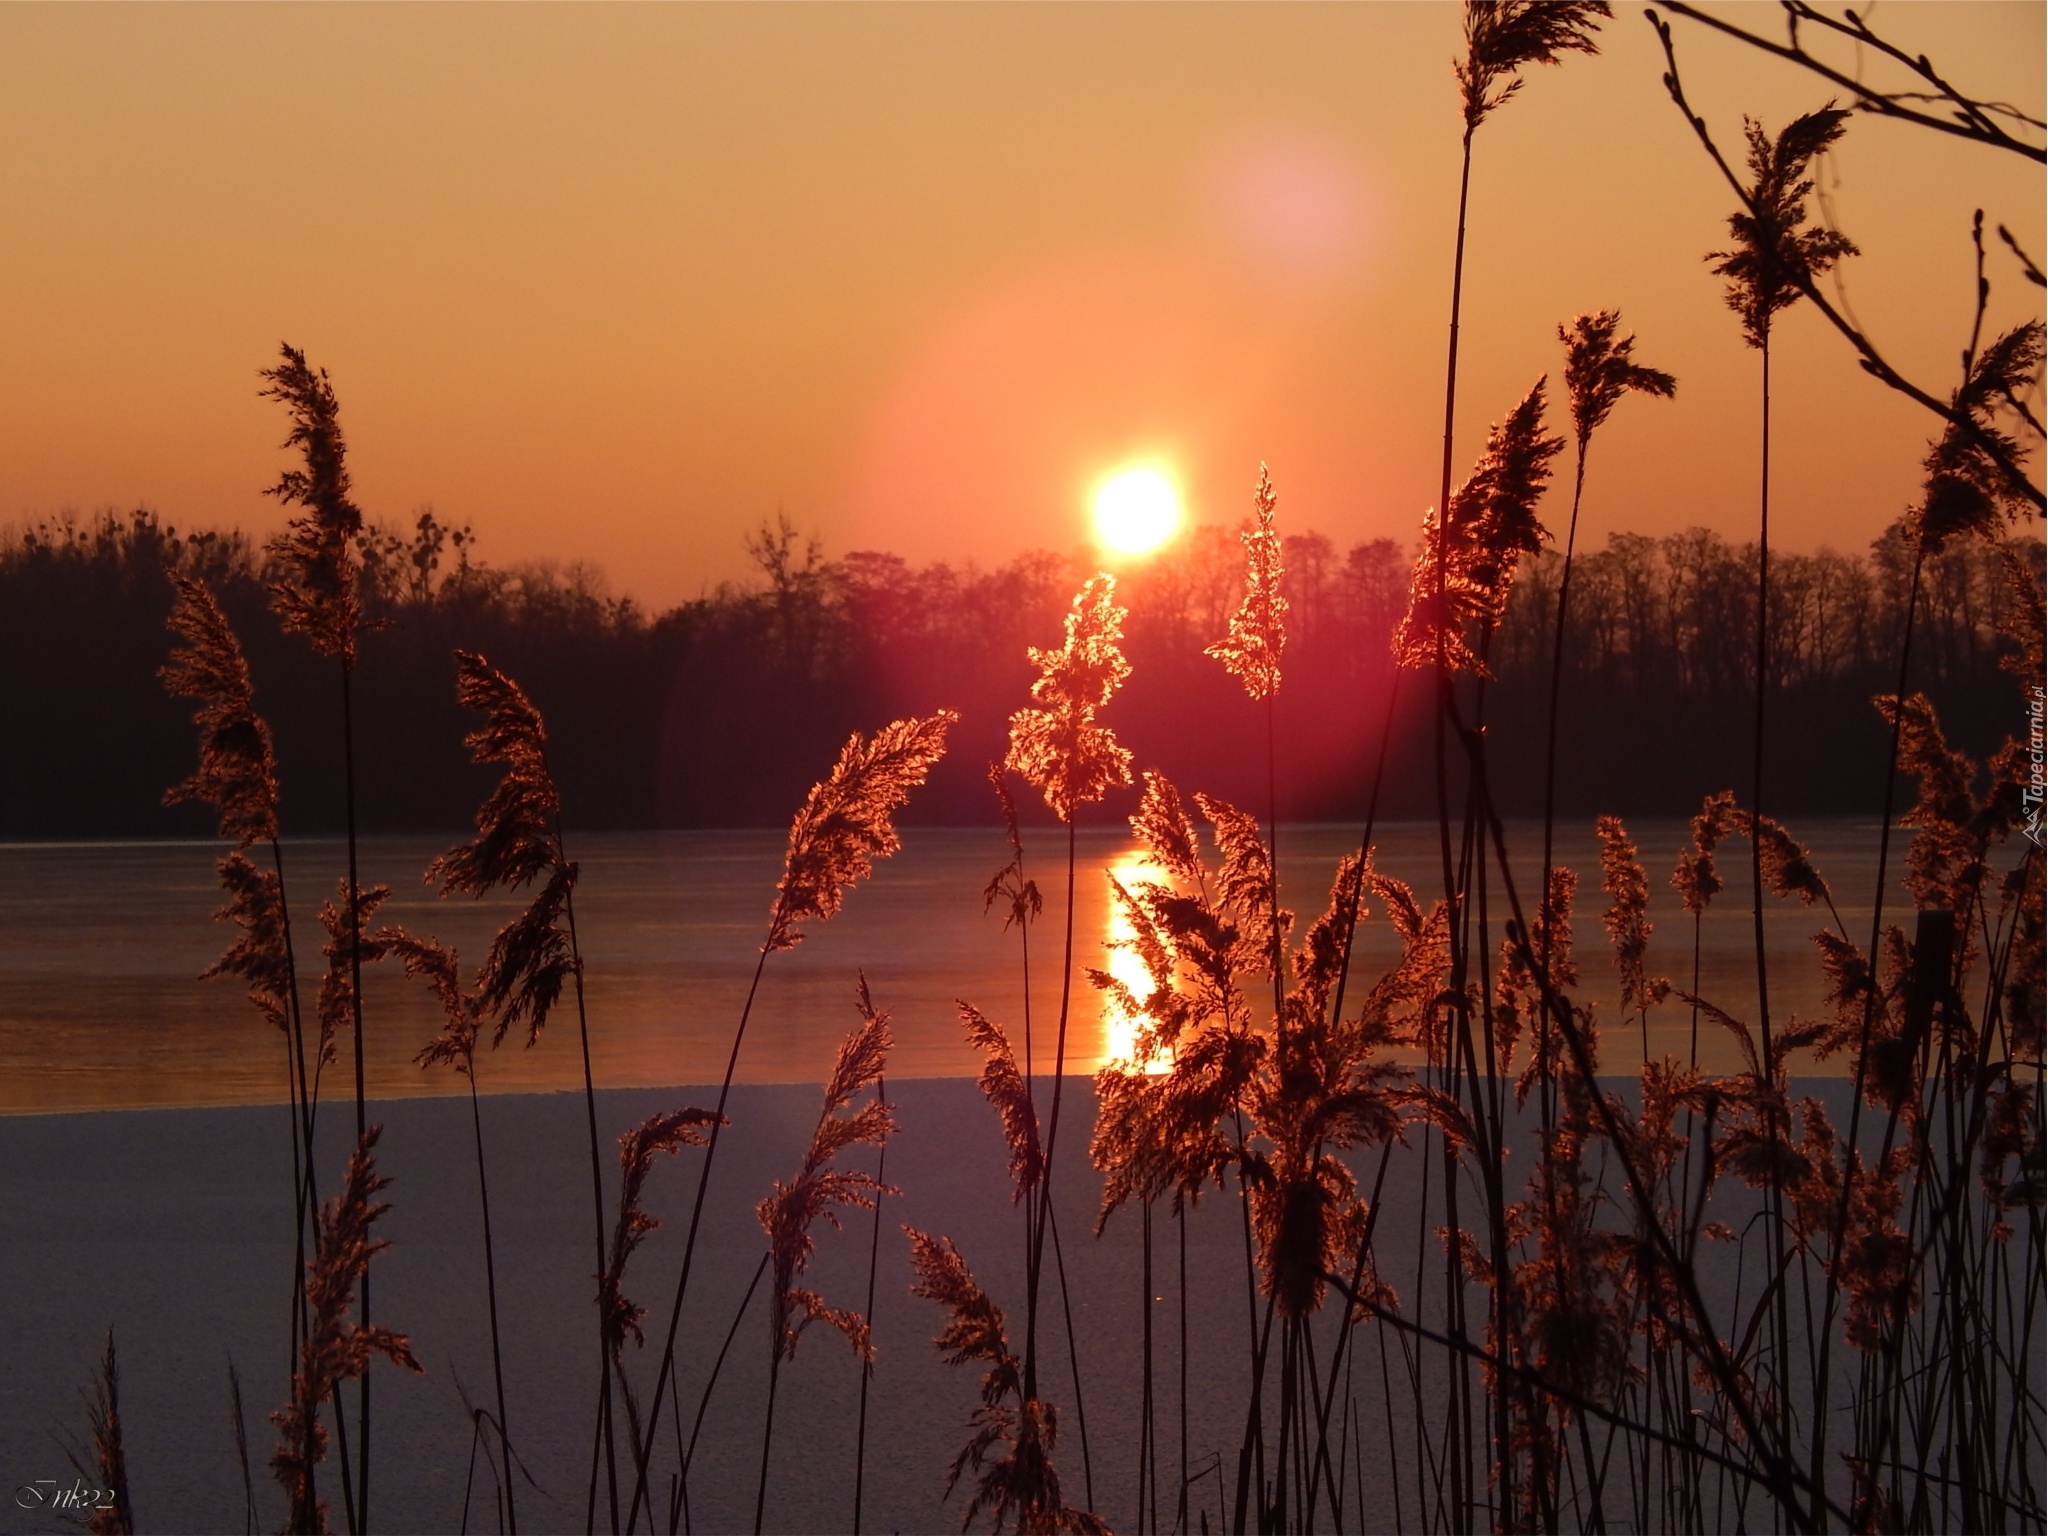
(304, 1189)
(1180, 1230)
(360, 1519)
(1148, 1474)
(768, 1418)
(1251, 1452)
(643, 1450)
(1035, 1257)
(1866, 1473)
(711, 1383)
(483, 1187)
(1784, 1477)
(1273, 854)
(1775, 1195)
(1564, 592)
(605, 1416)
(1073, 1360)
(867, 1365)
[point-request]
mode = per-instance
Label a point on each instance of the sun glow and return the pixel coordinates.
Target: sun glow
(1137, 509)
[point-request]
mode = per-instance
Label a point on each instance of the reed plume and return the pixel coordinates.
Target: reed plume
(462, 1012)
(1503, 35)
(1159, 1133)
(349, 947)
(1949, 838)
(515, 825)
(1322, 1092)
(1400, 1002)
(533, 957)
(1258, 630)
(618, 1315)
(113, 1513)
(1058, 747)
(1525, 995)
(518, 840)
(1775, 256)
(1020, 898)
(336, 1349)
(1627, 920)
(1569, 1301)
(2027, 627)
(1009, 1093)
(1466, 560)
(845, 823)
(1788, 868)
(1697, 878)
(1245, 882)
(262, 955)
(237, 773)
(1600, 368)
(1278, 1102)
(1973, 473)
(1014, 1437)
(1166, 831)
(316, 592)
(818, 1192)
(791, 1210)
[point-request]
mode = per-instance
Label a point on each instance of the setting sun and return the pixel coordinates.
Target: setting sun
(1137, 509)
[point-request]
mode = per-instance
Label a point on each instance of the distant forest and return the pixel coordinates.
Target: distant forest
(722, 711)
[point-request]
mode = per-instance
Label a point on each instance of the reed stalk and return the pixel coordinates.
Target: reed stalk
(867, 1370)
(844, 825)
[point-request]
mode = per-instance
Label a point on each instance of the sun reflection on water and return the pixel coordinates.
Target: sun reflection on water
(1120, 1034)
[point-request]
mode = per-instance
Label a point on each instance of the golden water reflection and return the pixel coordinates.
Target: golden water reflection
(1119, 1032)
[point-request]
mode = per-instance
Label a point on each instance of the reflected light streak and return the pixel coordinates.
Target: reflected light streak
(1120, 1034)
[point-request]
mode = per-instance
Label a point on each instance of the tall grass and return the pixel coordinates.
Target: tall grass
(790, 1211)
(1661, 1297)
(316, 595)
(845, 824)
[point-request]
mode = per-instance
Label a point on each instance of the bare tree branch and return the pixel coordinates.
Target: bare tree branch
(1873, 362)
(1968, 117)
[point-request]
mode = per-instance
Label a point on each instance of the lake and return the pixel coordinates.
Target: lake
(101, 945)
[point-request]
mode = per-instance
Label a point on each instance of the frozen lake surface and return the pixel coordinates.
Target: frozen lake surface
(101, 945)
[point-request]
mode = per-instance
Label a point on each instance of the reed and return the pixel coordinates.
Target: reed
(1662, 1297)
(104, 1456)
(463, 1015)
(316, 594)
(337, 1347)
(618, 1315)
(1014, 1435)
(1600, 368)
(519, 843)
(1058, 746)
(237, 775)
(844, 825)
(819, 1190)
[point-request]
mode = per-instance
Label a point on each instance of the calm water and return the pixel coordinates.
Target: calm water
(101, 945)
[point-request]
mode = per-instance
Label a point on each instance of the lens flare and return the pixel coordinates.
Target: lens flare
(1137, 509)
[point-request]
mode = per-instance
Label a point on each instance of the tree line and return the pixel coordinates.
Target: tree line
(722, 710)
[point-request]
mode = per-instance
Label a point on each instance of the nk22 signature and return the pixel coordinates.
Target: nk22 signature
(48, 1493)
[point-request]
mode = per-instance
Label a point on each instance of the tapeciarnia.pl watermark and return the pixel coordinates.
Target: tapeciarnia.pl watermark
(2037, 760)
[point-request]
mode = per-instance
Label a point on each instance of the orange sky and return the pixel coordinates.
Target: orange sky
(618, 283)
